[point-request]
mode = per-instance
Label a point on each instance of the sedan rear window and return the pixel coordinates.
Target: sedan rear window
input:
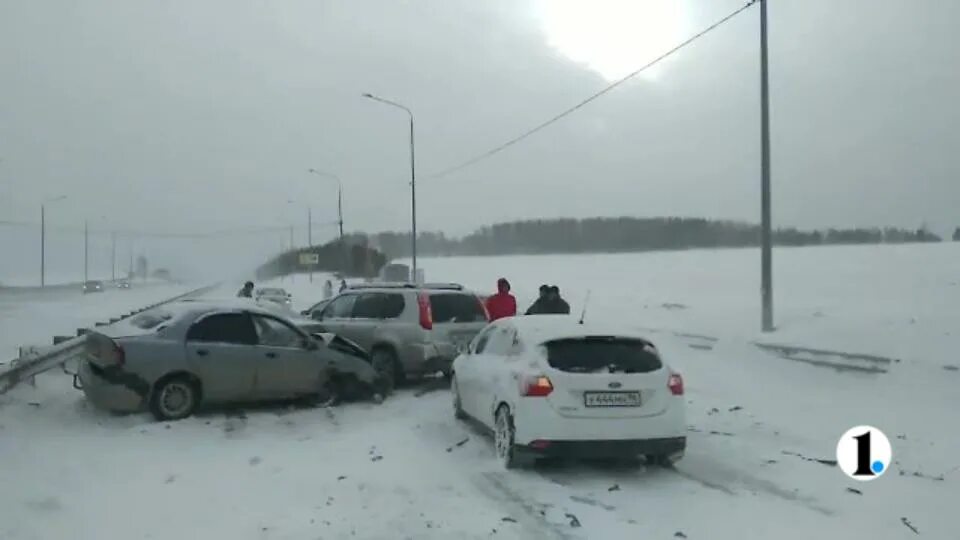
(603, 354)
(151, 319)
(456, 308)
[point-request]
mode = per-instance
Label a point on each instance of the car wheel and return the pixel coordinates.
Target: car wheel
(503, 440)
(387, 365)
(330, 393)
(174, 398)
(458, 412)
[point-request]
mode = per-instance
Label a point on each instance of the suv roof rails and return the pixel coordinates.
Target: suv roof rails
(407, 285)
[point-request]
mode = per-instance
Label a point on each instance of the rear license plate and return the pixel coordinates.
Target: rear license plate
(611, 399)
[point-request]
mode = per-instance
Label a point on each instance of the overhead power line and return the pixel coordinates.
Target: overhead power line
(524, 135)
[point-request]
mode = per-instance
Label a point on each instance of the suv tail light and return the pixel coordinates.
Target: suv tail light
(536, 387)
(426, 312)
(675, 384)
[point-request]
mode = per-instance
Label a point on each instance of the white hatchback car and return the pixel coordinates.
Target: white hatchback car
(547, 385)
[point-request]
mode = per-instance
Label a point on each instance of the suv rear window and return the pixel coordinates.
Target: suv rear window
(456, 308)
(602, 353)
(378, 306)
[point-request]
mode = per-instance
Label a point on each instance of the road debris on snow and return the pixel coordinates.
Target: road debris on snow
(822, 461)
(458, 444)
(909, 525)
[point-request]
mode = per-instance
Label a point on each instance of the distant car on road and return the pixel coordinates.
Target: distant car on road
(92, 286)
(274, 294)
(174, 358)
(408, 329)
(548, 386)
(123, 284)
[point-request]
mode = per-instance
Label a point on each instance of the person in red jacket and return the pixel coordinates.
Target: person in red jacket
(502, 304)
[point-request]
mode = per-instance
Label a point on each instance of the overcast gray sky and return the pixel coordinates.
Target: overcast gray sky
(181, 115)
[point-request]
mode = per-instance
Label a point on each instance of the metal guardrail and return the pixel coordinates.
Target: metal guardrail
(33, 363)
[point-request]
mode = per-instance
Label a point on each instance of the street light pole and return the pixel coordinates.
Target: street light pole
(310, 237)
(413, 179)
(43, 246)
(86, 247)
(43, 237)
(766, 235)
(113, 256)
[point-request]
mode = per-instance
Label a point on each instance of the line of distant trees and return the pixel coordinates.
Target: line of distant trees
(626, 234)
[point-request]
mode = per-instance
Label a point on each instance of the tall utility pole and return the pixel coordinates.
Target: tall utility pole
(766, 235)
(339, 206)
(413, 180)
(86, 247)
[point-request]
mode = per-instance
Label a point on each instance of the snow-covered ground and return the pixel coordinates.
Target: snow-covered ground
(407, 469)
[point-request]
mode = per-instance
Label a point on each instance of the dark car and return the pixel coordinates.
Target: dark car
(92, 286)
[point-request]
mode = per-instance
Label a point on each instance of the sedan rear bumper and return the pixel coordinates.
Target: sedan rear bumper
(108, 395)
(607, 449)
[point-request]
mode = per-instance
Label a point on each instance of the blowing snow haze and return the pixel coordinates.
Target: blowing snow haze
(186, 117)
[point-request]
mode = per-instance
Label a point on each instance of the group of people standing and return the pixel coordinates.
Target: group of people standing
(503, 304)
(328, 288)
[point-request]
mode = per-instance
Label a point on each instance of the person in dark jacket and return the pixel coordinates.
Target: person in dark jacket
(502, 304)
(555, 303)
(246, 291)
(539, 305)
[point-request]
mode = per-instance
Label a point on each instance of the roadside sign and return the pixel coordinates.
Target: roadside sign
(309, 258)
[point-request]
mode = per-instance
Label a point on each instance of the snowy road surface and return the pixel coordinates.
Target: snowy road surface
(406, 469)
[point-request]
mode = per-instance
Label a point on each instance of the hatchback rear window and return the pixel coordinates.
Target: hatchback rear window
(603, 354)
(456, 308)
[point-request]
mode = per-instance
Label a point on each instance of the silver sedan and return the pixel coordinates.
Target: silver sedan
(174, 358)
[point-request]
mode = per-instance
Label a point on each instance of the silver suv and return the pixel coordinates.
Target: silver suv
(408, 329)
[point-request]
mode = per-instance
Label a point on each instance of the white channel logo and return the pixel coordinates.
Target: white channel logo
(864, 453)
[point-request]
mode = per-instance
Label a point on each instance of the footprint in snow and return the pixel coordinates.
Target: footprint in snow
(254, 461)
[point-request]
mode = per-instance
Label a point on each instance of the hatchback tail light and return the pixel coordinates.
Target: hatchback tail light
(426, 312)
(536, 387)
(675, 384)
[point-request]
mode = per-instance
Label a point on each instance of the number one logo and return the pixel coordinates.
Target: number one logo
(864, 453)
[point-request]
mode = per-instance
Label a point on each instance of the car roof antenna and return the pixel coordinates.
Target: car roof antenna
(583, 313)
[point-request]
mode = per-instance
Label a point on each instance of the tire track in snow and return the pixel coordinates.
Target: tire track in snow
(533, 519)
